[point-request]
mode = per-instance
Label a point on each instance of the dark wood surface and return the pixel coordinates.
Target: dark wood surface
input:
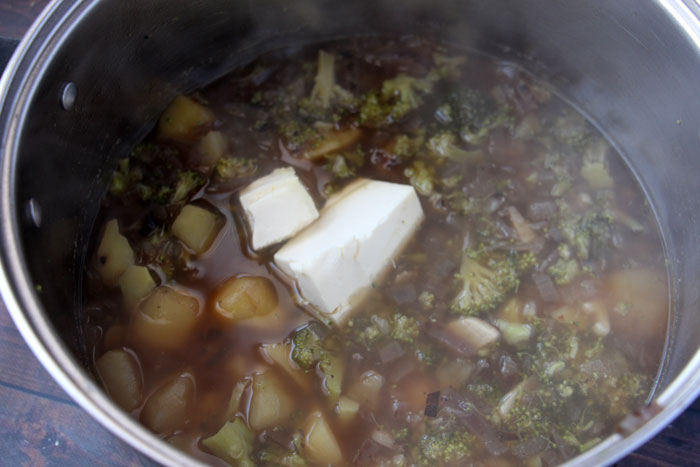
(41, 426)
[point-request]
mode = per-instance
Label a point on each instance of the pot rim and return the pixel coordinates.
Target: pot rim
(17, 83)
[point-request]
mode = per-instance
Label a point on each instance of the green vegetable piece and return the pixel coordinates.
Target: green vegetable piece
(233, 443)
(307, 348)
(235, 167)
(404, 328)
(422, 177)
(445, 448)
(333, 369)
(326, 93)
(445, 145)
(514, 333)
(564, 271)
(487, 279)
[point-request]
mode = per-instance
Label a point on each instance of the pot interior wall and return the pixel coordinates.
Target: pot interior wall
(623, 63)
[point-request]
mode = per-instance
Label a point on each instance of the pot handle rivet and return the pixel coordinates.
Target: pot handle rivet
(69, 95)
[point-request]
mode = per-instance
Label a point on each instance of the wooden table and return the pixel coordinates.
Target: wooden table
(40, 425)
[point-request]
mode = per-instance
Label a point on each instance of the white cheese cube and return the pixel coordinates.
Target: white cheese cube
(360, 232)
(277, 207)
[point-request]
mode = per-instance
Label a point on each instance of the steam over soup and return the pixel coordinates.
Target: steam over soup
(375, 252)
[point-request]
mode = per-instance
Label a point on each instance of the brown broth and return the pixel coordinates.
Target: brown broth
(219, 357)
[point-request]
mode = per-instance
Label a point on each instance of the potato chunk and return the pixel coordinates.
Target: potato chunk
(639, 304)
(321, 446)
(211, 148)
(346, 409)
(243, 297)
(168, 406)
(135, 283)
(182, 119)
(270, 404)
(196, 227)
(114, 254)
(333, 141)
(280, 354)
(121, 376)
(165, 320)
(366, 390)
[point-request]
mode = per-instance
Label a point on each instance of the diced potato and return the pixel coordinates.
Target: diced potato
(333, 141)
(121, 376)
(279, 354)
(455, 373)
(196, 227)
(165, 319)
(234, 402)
(346, 409)
(135, 283)
(211, 148)
(473, 333)
(114, 337)
(182, 119)
(114, 254)
(168, 407)
(270, 404)
(233, 443)
(366, 390)
(321, 446)
(638, 300)
(243, 297)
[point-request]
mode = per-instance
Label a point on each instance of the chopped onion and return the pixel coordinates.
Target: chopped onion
(390, 352)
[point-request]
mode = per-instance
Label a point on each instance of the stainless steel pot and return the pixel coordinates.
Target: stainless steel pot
(90, 77)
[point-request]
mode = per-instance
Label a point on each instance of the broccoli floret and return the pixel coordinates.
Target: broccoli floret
(487, 279)
(477, 134)
(422, 177)
(404, 93)
(187, 181)
(586, 232)
(406, 147)
(566, 268)
(444, 448)
(235, 167)
(280, 457)
(121, 178)
(345, 164)
(470, 107)
(307, 349)
(404, 328)
(232, 443)
(427, 300)
(296, 133)
(445, 145)
(398, 97)
(326, 93)
(373, 111)
(564, 271)
(447, 67)
(473, 114)
(339, 167)
(368, 331)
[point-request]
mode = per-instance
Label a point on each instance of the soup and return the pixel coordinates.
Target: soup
(512, 309)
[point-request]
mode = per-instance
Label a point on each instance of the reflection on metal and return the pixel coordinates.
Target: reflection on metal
(69, 96)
